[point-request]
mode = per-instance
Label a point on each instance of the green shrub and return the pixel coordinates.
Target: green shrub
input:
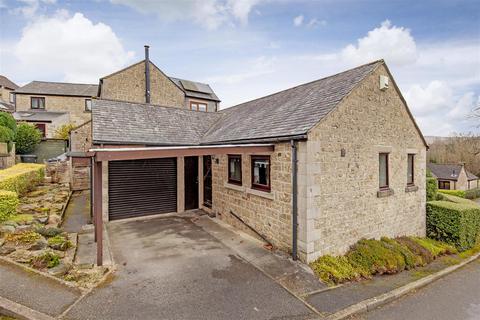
(59, 242)
(334, 269)
(27, 138)
(436, 248)
(22, 177)
(8, 204)
(374, 257)
(48, 259)
(7, 136)
(456, 193)
(7, 120)
(432, 188)
(411, 260)
(456, 199)
(457, 223)
(472, 193)
(423, 254)
(64, 131)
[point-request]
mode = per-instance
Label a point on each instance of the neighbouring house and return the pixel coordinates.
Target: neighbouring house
(130, 85)
(49, 105)
(453, 176)
(7, 96)
(312, 169)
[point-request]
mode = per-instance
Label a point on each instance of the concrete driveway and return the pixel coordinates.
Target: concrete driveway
(170, 268)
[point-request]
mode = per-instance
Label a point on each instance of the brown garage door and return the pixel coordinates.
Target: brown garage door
(142, 187)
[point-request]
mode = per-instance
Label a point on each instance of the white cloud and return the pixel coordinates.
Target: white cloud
(30, 7)
(313, 23)
(68, 48)
(258, 67)
(440, 81)
(298, 20)
(395, 44)
(438, 111)
(210, 14)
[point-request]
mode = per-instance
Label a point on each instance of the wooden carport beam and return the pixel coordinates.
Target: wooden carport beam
(112, 154)
(115, 154)
(97, 210)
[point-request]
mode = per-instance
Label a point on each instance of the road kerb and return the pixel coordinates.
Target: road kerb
(21, 312)
(372, 303)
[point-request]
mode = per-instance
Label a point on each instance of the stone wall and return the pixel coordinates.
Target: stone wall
(80, 173)
(58, 171)
(75, 106)
(7, 159)
(129, 85)
(268, 213)
(81, 138)
(341, 200)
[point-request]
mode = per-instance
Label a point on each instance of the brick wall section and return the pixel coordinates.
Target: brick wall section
(80, 173)
(129, 85)
(269, 216)
(81, 138)
(341, 200)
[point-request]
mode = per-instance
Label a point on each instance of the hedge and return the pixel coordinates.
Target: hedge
(456, 193)
(432, 188)
(8, 204)
(472, 193)
(456, 222)
(22, 177)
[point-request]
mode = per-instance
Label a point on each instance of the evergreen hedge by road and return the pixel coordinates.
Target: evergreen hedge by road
(454, 220)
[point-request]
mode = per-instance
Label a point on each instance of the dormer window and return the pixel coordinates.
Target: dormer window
(198, 106)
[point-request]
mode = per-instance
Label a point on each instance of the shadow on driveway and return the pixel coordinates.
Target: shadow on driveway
(169, 268)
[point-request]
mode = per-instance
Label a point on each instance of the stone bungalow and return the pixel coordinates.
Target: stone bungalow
(454, 177)
(312, 169)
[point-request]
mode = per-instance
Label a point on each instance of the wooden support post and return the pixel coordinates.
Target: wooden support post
(97, 200)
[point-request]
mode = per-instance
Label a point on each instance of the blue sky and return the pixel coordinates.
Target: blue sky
(249, 48)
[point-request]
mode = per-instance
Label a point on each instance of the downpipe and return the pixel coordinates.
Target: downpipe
(294, 200)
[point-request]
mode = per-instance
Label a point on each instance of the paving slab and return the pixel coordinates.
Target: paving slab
(293, 275)
(170, 268)
(77, 213)
(35, 291)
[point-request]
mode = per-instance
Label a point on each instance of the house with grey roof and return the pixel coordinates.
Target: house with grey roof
(312, 169)
(50, 105)
(453, 176)
(7, 97)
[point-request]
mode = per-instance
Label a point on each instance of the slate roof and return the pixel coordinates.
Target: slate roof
(289, 113)
(205, 93)
(59, 88)
(7, 83)
(37, 116)
(6, 106)
(134, 123)
(448, 171)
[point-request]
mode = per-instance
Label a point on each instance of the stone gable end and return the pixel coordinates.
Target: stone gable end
(341, 199)
(129, 85)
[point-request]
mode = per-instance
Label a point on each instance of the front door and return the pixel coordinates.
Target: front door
(191, 183)
(207, 181)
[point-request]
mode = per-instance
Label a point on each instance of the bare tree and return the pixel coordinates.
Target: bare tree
(461, 148)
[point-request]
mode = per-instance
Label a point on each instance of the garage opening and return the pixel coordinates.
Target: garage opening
(142, 187)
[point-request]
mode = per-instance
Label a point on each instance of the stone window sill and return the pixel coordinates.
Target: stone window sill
(234, 187)
(263, 194)
(384, 193)
(411, 188)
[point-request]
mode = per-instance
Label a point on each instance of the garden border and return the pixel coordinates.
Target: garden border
(372, 303)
